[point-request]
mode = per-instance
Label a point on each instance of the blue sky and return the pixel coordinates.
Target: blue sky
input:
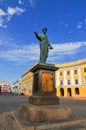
(19, 48)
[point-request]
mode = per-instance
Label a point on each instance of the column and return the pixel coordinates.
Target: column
(65, 79)
(72, 77)
(57, 78)
(79, 76)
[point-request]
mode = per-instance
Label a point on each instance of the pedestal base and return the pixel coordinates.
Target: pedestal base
(14, 121)
(44, 100)
(45, 113)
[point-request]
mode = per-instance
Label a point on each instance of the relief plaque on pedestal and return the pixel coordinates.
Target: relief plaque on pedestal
(47, 82)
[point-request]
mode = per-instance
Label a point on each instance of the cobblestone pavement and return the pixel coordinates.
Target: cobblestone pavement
(8, 103)
(78, 106)
(12, 120)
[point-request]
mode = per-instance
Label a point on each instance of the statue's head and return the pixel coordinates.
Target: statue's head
(44, 30)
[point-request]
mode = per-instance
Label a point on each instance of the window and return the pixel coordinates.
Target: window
(77, 91)
(61, 82)
(75, 71)
(68, 72)
(84, 69)
(69, 92)
(69, 82)
(60, 73)
(85, 80)
(76, 81)
(62, 92)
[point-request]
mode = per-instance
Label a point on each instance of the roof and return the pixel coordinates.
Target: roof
(70, 64)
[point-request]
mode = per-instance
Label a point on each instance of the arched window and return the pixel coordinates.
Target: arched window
(77, 91)
(61, 91)
(69, 92)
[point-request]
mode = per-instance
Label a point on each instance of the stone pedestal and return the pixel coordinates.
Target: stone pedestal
(44, 92)
(44, 100)
(46, 113)
(44, 104)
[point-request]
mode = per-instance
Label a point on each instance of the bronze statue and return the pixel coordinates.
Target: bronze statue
(44, 45)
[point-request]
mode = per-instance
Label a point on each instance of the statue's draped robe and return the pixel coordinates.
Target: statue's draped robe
(44, 47)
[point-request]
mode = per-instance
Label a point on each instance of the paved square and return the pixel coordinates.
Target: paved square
(8, 103)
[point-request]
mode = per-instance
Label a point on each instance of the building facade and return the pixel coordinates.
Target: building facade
(26, 83)
(4, 87)
(16, 87)
(71, 79)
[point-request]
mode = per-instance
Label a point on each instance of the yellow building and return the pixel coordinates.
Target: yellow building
(71, 79)
(26, 83)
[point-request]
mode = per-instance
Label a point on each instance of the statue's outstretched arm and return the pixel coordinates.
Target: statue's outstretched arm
(37, 36)
(50, 46)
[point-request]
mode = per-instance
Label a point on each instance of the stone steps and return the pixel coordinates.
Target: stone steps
(67, 125)
(14, 121)
(10, 122)
(2, 125)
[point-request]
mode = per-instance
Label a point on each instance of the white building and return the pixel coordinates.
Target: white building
(16, 86)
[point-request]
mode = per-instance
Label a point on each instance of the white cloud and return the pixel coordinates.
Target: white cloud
(2, 13)
(16, 10)
(2, 23)
(62, 52)
(79, 26)
(13, 11)
(21, 2)
(6, 16)
(22, 54)
(32, 2)
(28, 53)
(66, 48)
